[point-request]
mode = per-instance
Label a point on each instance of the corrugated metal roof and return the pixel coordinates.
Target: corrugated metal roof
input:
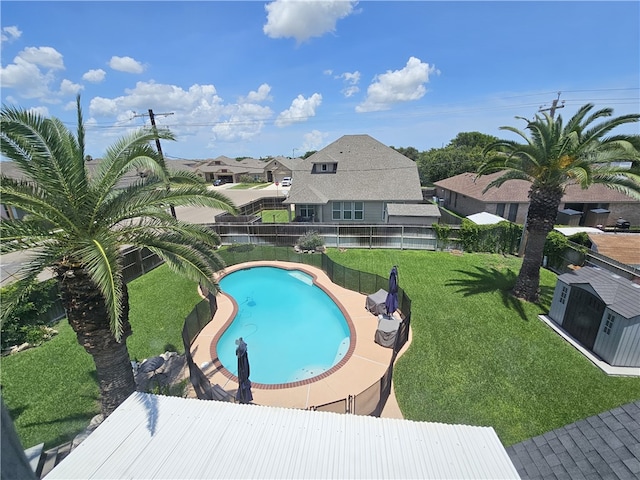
(155, 437)
(619, 294)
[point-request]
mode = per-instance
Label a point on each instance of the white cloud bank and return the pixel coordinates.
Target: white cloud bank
(397, 86)
(303, 20)
(126, 64)
(301, 110)
(32, 72)
(10, 33)
(94, 75)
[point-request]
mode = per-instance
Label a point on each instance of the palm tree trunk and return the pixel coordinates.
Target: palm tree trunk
(541, 217)
(89, 318)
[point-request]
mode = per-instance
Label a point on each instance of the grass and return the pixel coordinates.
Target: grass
(275, 216)
(482, 357)
(478, 356)
(51, 391)
(246, 186)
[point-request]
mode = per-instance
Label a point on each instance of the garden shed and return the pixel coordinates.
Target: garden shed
(601, 310)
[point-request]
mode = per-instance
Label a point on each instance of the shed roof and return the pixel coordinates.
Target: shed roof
(413, 210)
(154, 437)
(485, 218)
(367, 170)
(618, 293)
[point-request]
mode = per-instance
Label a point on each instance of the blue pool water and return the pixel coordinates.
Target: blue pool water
(293, 329)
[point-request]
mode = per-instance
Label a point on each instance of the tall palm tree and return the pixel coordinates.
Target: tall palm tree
(77, 222)
(553, 156)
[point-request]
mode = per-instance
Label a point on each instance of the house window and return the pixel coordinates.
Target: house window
(324, 167)
(513, 212)
(608, 325)
(563, 295)
(348, 211)
(307, 211)
(500, 209)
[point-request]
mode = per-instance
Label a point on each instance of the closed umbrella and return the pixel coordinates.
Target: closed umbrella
(244, 394)
(391, 303)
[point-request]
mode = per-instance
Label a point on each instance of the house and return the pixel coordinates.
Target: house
(279, 168)
(158, 437)
(596, 205)
(601, 310)
(230, 170)
(353, 180)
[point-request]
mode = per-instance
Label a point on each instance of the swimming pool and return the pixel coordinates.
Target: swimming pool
(293, 328)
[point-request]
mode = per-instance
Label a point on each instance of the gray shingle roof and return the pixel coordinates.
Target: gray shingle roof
(413, 210)
(517, 191)
(605, 446)
(367, 171)
(618, 293)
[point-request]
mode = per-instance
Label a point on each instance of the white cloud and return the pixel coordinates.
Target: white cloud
(47, 57)
(260, 96)
(304, 19)
(300, 110)
(28, 80)
(244, 121)
(351, 80)
(397, 86)
(126, 64)
(94, 75)
(67, 87)
(42, 111)
(9, 34)
(314, 140)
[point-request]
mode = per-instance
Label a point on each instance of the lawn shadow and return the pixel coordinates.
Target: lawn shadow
(485, 280)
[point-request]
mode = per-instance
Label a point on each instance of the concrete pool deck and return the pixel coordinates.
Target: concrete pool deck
(362, 369)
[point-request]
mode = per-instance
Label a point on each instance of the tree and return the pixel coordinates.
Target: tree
(553, 156)
(77, 223)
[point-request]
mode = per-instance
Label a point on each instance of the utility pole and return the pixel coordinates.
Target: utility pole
(554, 106)
(552, 111)
(152, 117)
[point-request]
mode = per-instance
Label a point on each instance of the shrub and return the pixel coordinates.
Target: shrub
(442, 232)
(554, 247)
(240, 247)
(310, 241)
(24, 322)
(502, 237)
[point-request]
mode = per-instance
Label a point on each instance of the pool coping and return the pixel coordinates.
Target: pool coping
(367, 364)
(290, 267)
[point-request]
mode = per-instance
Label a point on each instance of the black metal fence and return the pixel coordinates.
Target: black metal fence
(369, 402)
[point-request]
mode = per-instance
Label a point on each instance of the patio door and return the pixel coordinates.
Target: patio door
(583, 316)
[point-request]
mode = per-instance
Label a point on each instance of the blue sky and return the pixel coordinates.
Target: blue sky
(248, 78)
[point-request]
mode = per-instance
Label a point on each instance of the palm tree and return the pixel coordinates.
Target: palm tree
(77, 222)
(553, 156)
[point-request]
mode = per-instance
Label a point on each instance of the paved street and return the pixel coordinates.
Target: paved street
(10, 263)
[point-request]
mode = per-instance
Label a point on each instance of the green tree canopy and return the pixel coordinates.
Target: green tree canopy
(77, 223)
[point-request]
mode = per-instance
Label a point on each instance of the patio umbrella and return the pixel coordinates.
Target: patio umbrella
(391, 303)
(244, 394)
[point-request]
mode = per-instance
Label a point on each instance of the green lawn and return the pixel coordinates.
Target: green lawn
(275, 216)
(51, 391)
(478, 356)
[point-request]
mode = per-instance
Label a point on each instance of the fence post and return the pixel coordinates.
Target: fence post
(142, 272)
(402, 237)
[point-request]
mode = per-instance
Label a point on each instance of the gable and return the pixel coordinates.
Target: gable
(363, 170)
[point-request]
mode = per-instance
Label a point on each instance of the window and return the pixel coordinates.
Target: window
(307, 211)
(324, 167)
(563, 295)
(513, 212)
(609, 323)
(348, 211)
(500, 209)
